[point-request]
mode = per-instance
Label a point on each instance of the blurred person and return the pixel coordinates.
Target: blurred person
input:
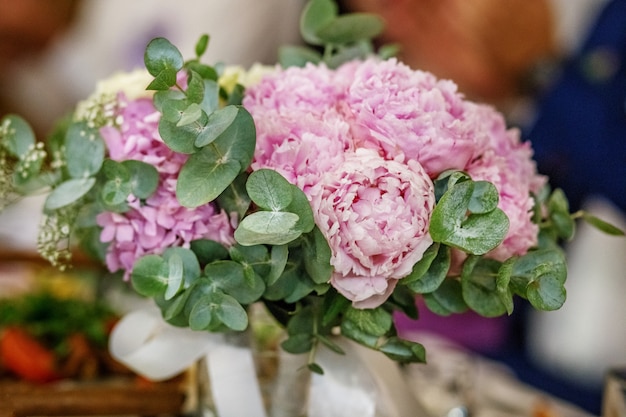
(556, 68)
(579, 136)
(487, 47)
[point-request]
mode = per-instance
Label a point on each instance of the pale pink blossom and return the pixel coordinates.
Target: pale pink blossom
(375, 215)
(397, 110)
(300, 133)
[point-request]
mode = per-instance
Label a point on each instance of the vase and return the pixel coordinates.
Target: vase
(247, 373)
(242, 379)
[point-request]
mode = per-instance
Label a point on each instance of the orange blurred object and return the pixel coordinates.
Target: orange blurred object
(23, 355)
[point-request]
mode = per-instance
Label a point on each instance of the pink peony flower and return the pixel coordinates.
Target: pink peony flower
(397, 110)
(300, 133)
(375, 215)
(151, 226)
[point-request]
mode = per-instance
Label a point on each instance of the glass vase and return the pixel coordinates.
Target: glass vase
(242, 379)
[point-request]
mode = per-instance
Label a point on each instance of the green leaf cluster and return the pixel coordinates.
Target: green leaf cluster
(201, 120)
(21, 159)
(334, 38)
(466, 219)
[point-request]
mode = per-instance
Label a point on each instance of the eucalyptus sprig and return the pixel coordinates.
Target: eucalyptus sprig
(334, 38)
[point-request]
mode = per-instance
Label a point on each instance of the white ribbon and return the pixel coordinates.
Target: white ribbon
(148, 345)
(362, 382)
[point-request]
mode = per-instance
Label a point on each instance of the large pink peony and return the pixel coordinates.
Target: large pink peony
(151, 226)
(300, 133)
(375, 215)
(363, 142)
(395, 109)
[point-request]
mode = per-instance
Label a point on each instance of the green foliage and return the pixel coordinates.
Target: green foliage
(284, 212)
(466, 217)
(341, 37)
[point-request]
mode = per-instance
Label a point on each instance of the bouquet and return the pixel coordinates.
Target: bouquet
(334, 189)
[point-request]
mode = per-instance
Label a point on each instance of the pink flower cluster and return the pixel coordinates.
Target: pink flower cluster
(364, 142)
(159, 222)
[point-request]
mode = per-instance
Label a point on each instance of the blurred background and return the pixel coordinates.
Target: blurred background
(556, 68)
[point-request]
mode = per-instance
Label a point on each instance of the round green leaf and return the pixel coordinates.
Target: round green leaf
(533, 264)
(297, 56)
(203, 313)
(115, 191)
(85, 150)
(201, 45)
(257, 257)
(436, 273)
(269, 190)
(20, 136)
(447, 299)
(316, 254)
(316, 15)
(181, 138)
(163, 81)
(191, 267)
(144, 178)
(175, 276)
(484, 198)
(359, 50)
(174, 307)
(68, 192)
(195, 87)
(376, 321)
(173, 109)
(218, 122)
(278, 261)
(480, 290)
(351, 330)
(547, 292)
(235, 199)
(267, 227)
(301, 206)
(477, 233)
(229, 277)
(162, 99)
(211, 99)
(351, 28)
(298, 343)
(204, 177)
(192, 114)
(208, 251)
(150, 275)
(232, 314)
(404, 351)
(161, 55)
(211, 170)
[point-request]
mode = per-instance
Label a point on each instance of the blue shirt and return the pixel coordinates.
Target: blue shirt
(579, 135)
